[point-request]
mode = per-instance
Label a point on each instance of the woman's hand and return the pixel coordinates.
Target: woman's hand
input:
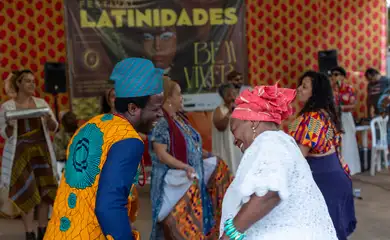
(190, 172)
(224, 237)
(9, 130)
(51, 124)
(47, 118)
(206, 154)
(231, 107)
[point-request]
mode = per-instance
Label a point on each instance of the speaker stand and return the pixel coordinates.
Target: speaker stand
(56, 108)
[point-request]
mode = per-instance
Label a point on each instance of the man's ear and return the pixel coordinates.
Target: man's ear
(132, 108)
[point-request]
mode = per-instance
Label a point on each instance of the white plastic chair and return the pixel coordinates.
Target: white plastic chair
(379, 144)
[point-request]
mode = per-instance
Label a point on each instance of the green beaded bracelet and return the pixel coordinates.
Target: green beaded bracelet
(232, 232)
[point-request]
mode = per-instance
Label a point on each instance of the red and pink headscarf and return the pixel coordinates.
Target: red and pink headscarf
(264, 103)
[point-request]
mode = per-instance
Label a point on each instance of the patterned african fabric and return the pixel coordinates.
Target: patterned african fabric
(32, 179)
(316, 131)
(133, 204)
(217, 186)
(8, 157)
(93, 197)
(185, 220)
(345, 94)
(160, 134)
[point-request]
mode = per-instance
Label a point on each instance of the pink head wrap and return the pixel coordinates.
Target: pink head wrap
(264, 103)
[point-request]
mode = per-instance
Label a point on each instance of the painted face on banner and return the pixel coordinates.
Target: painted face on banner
(160, 45)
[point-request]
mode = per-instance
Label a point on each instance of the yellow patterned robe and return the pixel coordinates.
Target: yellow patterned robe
(73, 214)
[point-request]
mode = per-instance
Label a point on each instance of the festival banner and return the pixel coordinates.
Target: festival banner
(197, 42)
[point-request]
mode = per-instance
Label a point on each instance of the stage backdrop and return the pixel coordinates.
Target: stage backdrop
(283, 39)
(197, 44)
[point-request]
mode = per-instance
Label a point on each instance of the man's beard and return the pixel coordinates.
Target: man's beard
(144, 127)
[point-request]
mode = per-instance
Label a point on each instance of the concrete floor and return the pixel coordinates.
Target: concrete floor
(373, 212)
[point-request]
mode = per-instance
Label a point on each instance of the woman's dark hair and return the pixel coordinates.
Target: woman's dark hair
(105, 107)
(122, 104)
(223, 88)
(69, 121)
(18, 76)
(322, 97)
(371, 72)
(232, 75)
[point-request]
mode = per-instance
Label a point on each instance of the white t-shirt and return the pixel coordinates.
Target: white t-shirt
(274, 162)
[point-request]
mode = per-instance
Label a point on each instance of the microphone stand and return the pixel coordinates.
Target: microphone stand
(56, 108)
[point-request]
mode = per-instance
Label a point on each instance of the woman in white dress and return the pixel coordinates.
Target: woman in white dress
(273, 196)
(223, 140)
(345, 98)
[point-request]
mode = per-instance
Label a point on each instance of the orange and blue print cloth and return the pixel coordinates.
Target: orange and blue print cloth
(93, 200)
(316, 131)
(185, 221)
(137, 77)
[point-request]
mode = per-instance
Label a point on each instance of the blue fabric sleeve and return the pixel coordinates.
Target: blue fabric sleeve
(115, 182)
(160, 133)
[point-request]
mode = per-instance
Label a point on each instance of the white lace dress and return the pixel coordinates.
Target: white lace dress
(274, 163)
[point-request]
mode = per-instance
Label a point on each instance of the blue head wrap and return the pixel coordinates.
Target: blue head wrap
(137, 77)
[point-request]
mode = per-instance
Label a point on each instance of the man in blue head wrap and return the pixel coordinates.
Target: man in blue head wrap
(103, 160)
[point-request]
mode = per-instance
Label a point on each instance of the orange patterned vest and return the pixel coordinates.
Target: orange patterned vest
(73, 215)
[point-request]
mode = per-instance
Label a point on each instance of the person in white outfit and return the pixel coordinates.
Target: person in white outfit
(345, 98)
(237, 80)
(273, 196)
(222, 137)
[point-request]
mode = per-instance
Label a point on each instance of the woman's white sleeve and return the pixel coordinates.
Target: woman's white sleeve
(3, 123)
(269, 172)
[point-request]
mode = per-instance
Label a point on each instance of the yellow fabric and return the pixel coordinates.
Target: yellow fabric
(133, 204)
(83, 222)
